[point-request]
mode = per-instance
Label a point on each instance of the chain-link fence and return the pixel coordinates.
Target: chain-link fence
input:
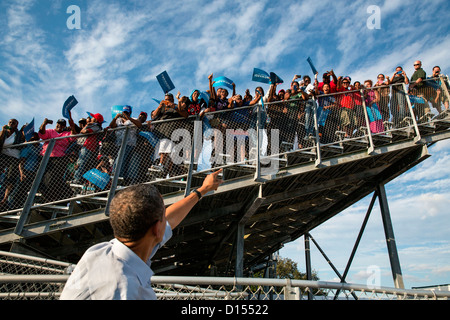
(253, 289)
(28, 277)
(25, 277)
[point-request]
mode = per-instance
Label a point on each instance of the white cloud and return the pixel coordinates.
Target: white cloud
(104, 55)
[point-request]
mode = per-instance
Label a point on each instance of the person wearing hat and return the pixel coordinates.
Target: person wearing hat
(124, 119)
(326, 80)
(53, 186)
(143, 116)
(89, 150)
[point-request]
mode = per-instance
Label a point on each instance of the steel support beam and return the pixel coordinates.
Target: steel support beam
(239, 270)
(308, 263)
(390, 238)
(240, 233)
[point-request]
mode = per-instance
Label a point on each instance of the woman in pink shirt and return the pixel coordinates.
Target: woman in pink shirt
(61, 145)
(53, 187)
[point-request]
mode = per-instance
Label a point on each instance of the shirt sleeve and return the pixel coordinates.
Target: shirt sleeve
(46, 135)
(422, 74)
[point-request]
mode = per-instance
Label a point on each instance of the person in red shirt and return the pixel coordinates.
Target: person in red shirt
(346, 100)
(326, 80)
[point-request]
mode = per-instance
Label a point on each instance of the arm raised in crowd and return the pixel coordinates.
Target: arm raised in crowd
(136, 122)
(179, 210)
(212, 91)
(72, 125)
(155, 114)
(125, 116)
(43, 125)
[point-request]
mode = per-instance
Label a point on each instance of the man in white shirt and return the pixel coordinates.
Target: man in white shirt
(120, 269)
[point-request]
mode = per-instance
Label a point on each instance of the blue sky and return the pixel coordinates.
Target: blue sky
(122, 45)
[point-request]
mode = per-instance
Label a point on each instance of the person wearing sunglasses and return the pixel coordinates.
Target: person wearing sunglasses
(418, 77)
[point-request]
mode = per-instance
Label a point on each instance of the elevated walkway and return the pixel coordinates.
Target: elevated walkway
(261, 206)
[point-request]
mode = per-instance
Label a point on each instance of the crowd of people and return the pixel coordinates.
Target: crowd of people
(335, 102)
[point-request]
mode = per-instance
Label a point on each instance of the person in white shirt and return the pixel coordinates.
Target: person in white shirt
(121, 268)
(128, 170)
(9, 158)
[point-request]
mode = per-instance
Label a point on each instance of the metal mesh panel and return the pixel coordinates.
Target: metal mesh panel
(434, 91)
(18, 167)
(16, 268)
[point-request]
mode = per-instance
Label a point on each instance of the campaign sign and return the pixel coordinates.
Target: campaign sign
(150, 136)
(274, 79)
(98, 178)
(223, 82)
(28, 131)
(165, 82)
(416, 99)
(260, 76)
(68, 105)
(311, 64)
(115, 110)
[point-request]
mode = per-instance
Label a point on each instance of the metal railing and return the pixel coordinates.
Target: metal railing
(24, 277)
(171, 152)
(49, 287)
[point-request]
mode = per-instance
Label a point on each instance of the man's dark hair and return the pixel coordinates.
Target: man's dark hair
(134, 210)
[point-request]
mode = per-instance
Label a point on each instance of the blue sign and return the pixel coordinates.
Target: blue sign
(28, 131)
(311, 64)
(165, 82)
(115, 110)
(98, 178)
(68, 105)
(264, 77)
(223, 82)
(260, 76)
(274, 79)
(416, 99)
(152, 139)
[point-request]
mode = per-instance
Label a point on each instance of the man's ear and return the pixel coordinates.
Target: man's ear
(156, 229)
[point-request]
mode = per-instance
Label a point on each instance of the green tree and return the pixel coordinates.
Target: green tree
(288, 269)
